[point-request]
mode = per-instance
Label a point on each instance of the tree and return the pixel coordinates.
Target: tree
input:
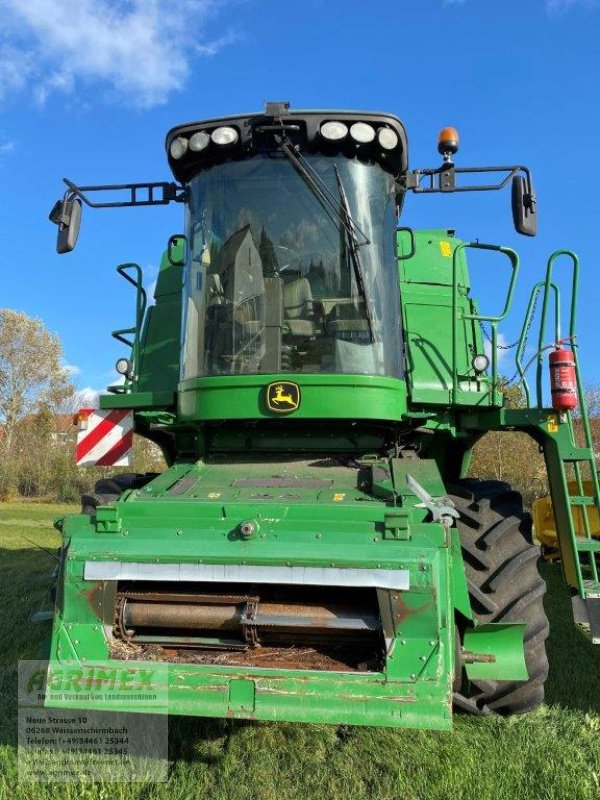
(511, 456)
(32, 379)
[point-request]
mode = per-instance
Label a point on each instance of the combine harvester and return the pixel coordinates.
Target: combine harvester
(316, 378)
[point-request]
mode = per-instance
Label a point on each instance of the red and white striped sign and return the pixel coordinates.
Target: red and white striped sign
(105, 438)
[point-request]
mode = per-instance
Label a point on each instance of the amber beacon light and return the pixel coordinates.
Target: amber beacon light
(448, 142)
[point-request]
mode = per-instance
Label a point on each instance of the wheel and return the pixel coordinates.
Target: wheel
(504, 586)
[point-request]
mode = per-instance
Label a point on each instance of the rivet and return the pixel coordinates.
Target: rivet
(423, 658)
(376, 538)
(432, 642)
(179, 533)
(319, 536)
(412, 676)
(402, 641)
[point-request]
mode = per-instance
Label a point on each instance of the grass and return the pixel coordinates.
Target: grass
(552, 753)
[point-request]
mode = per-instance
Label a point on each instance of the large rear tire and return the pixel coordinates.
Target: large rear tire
(504, 586)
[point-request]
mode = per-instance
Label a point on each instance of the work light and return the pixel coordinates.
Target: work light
(199, 141)
(224, 135)
(124, 367)
(480, 362)
(179, 147)
(362, 133)
(387, 138)
(334, 131)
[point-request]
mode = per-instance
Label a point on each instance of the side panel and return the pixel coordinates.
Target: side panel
(426, 277)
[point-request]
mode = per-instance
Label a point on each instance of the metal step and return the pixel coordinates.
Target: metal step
(586, 614)
(592, 589)
(578, 500)
(588, 545)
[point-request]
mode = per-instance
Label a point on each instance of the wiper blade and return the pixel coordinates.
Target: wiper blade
(354, 250)
(322, 191)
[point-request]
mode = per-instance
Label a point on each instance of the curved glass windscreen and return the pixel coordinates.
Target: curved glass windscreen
(292, 269)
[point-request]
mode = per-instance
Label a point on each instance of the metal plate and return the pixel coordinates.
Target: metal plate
(239, 573)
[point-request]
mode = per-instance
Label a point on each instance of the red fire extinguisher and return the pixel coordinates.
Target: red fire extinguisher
(563, 380)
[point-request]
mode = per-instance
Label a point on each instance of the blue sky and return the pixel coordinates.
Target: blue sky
(88, 89)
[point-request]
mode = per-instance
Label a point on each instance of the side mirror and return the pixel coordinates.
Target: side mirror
(177, 250)
(523, 206)
(67, 215)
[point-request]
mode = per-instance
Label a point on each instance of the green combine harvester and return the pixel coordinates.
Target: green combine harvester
(316, 377)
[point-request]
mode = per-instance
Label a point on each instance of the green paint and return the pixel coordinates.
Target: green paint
(502, 643)
(256, 314)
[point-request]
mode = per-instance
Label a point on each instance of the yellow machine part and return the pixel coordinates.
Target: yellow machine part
(545, 526)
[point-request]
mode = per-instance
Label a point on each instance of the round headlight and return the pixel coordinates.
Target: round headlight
(334, 131)
(480, 362)
(124, 366)
(178, 147)
(362, 133)
(388, 138)
(199, 141)
(225, 135)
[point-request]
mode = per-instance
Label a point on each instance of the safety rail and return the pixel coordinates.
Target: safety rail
(494, 321)
(585, 547)
(131, 336)
(522, 342)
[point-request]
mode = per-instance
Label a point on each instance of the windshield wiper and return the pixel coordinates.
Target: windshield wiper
(354, 250)
(322, 191)
(341, 210)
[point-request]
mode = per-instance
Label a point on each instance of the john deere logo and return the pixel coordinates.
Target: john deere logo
(283, 397)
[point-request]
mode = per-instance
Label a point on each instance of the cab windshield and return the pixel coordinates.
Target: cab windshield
(280, 281)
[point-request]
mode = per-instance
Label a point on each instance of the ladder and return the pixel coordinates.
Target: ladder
(572, 499)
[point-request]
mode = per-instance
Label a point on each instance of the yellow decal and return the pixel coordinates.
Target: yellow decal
(446, 249)
(283, 397)
(552, 424)
(338, 497)
(214, 495)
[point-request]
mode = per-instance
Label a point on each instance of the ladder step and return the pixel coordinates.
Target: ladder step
(579, 454)
(591, 588)
(587, 617)
(579, 500)
(588, 545)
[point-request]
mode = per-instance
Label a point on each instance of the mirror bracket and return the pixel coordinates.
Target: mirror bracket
(444, 179)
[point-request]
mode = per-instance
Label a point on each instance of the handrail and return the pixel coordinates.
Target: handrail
(572, 320)
(493, 320)
(533, 299)
(122, 334)
(572, 342)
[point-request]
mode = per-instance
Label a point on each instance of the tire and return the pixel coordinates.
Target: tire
(504, 586)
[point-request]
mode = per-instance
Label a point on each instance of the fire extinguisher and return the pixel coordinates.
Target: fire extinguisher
(563, 380)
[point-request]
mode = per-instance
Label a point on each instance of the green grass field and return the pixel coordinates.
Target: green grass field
(553, 753)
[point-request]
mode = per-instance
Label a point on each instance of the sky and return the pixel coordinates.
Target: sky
(89, 88)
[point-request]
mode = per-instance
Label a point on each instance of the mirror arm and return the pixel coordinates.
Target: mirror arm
(443, 179)
(169, 192)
